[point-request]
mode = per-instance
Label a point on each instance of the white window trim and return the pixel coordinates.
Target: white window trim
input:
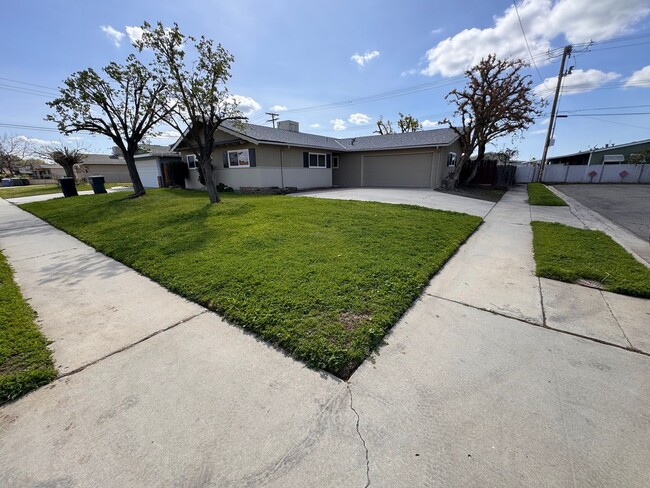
(335, 162)
(239, 165)
(187, 161)
(317, 154)
(454, 159)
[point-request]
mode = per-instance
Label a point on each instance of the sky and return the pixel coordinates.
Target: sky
(336, 66)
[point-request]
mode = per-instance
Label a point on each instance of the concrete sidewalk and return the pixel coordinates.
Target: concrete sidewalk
(458, 396)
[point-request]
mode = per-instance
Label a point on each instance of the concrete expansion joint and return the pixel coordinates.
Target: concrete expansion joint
(363, 442)
(30, 226)
(48, 254)
(545, 326)
(126, 348)
(616, 319)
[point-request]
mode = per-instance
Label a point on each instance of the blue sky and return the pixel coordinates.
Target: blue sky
(298, 54)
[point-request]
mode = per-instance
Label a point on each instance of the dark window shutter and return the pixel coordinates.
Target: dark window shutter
(251, 158)
(329, 161)
(225, 159)
(305, 159)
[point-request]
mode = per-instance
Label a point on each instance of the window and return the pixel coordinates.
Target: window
(239, 159)
(451, 159)
(317, 160)
(191, 161)
(335, 162)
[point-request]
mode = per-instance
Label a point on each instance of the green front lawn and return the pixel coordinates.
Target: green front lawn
(25, 362)
(538, 194)
(322, 279)
(569, 254)
(32, 190)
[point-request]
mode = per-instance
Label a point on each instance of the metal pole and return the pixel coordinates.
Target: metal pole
(551, 123)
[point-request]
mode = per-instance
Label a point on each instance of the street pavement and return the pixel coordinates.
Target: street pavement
(487, 380)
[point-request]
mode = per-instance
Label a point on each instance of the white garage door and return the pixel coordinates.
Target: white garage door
(148, 171)
(406, 170)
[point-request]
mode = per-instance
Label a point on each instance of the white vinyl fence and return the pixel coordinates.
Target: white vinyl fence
(606, 173)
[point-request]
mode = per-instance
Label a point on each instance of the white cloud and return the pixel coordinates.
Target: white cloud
(409, 72)
(579, 81)
(338, 124)
(33, 141)
(134, 32)
(639, 78)
(315, 126)
(363, 59)
(113, 34)
(359, 119)
(543, 21)
(428, 124)
(246, 104)
(436, 31)
(167, 134)
(278, 108)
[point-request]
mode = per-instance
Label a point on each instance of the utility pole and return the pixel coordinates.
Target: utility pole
(273, 118)
(551, 123)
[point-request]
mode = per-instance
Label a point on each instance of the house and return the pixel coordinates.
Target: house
(630, 152)
(264, 157)
(152, 162)
(44, 171)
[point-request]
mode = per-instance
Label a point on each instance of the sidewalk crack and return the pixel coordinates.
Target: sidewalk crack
(365, 447)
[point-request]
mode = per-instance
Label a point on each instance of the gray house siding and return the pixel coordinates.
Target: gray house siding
(275, 166)
(349, 170)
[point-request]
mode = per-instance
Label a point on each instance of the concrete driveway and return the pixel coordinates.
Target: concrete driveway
(407, 196)
(625, 205)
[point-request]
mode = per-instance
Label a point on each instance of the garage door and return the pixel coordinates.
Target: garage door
(148, 171)
(408, 170)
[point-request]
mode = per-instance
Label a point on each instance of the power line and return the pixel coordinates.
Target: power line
(605, 108)
(30, 84)
(514, 3)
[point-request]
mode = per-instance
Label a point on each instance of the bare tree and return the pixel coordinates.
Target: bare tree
(384, 128)
(497, 101)
(64, 156)
(197, 86)
(408, 123)
(125, 105)
(13, 151)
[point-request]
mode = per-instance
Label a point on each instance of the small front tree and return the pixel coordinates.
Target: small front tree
(497, 101)
(196, 72)
(13, 150)
(125, 105)
(64, 156)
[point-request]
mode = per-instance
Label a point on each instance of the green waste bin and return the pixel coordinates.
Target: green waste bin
(97, 182)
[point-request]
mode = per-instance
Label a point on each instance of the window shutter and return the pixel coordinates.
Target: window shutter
(225, 159)
(305, 159)
(329, 161)
(251, 158)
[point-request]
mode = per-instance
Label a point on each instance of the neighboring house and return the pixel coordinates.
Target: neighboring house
(265, 157)
(152, 162)
(610, 154)
(44, 171)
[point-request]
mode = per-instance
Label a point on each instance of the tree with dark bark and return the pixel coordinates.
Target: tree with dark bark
(64, 156)
(125, 105)
(195, 72)
(497, 101)
(13, 150)
(408, 123)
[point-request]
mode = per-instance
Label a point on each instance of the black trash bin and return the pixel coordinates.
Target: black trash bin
(97, 182)
(68, 187)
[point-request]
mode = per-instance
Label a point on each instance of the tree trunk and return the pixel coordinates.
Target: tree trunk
(69, 171)
(208, 172)
(138, 188)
